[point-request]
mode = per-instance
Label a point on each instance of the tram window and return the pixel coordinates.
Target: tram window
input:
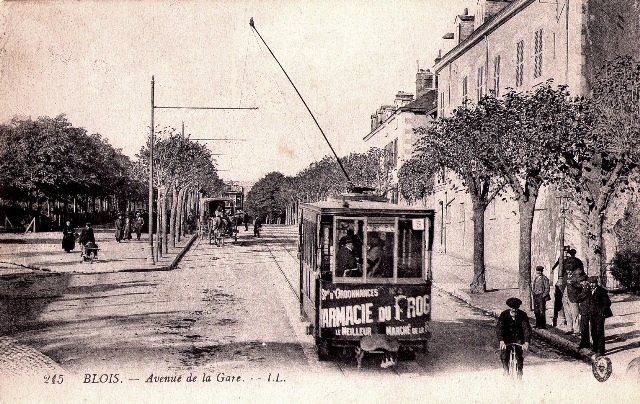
(349, 234)
(410, 248)
(325, 248)
(380, 248)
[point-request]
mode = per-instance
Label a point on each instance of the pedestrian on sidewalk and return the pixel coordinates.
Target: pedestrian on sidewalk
(595, 307)
(540, 291)
(138, 222)
(127, 227)
(257, 225)
(513, 328)
(68, 237)
(119, 228)
(576, 278)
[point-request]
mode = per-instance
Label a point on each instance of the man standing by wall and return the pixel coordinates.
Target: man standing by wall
(595, 307)
(540, 290)
(575, 280)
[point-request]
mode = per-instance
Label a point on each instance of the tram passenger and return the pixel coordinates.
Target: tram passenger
(346, 261)
(374, 255)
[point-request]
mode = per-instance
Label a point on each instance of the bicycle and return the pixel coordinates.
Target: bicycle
(515, 371)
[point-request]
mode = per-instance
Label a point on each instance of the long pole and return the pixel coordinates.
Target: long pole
(251, 23)
(151, 256)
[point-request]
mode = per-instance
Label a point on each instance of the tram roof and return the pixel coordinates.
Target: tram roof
(363, 207)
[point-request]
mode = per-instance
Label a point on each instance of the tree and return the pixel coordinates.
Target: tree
(268, 197)
(416, 177)
(462, 144)
(528, 131)
(180, 166)
(600, 163)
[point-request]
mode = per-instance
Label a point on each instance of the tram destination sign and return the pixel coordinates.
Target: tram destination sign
(366, 309)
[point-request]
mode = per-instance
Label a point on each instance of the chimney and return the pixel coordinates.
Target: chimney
(425, 81)
(464, 25)
(402, 99)
(487, 9)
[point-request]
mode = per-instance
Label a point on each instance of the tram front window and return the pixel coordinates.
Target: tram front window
(379, 254)
(410, 247)
(349, 255)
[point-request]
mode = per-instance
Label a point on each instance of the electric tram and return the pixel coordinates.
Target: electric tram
(365, 271)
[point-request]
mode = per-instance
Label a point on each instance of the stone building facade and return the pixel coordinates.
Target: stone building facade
(520, 44)
(392, 127)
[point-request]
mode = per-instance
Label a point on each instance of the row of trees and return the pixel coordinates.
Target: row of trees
(270, 197)
(586, 147)
(183, 169)
(49, 159)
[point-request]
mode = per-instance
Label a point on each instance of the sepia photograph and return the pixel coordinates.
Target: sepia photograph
(354, 201)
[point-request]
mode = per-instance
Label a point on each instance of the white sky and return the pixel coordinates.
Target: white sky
(94, 60)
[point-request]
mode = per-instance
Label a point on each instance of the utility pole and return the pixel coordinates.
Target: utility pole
(152, 257)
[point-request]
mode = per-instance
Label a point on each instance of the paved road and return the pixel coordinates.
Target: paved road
(232, 310)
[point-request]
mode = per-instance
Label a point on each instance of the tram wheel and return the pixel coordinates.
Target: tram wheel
(324, 350)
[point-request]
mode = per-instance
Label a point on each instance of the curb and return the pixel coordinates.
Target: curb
(583, 354)
(173, 264)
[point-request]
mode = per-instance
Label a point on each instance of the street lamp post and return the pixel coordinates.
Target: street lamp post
(151, 256)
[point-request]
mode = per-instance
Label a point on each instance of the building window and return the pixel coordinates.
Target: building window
(441, 104)
(392, 154)
(496, 76)
(480, 85)
(464, 90)
(519, 63)
(537, 65)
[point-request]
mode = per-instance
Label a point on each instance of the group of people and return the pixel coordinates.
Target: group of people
(126, 225)
(86, 238)
(580, 299)
(349, 260)
(124, 229)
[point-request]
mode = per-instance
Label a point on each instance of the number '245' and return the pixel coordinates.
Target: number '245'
(54, 379)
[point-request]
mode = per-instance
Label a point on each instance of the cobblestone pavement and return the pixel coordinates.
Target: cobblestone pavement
(18, 359)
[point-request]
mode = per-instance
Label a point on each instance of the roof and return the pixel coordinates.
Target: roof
(425, 103)
(479, 33)
(364, 208)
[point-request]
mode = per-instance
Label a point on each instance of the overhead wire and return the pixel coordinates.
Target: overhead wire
(298, 124)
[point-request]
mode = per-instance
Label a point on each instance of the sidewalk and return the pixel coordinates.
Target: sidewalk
(32, 264)
(453, 275)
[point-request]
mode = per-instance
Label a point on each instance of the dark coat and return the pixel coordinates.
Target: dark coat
(594, 304)
(513, 331)
(574, 286)
(68, 237)
(345, 259)
(86, 235)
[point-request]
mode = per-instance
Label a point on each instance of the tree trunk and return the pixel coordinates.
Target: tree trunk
(479, 283)
(595, 265)
(526, 208)
(174, 213)
(165, 238)
(180, 213)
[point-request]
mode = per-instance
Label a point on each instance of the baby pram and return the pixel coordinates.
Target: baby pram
(90, 252)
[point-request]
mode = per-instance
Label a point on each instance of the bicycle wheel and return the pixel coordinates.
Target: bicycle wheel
(513, 364)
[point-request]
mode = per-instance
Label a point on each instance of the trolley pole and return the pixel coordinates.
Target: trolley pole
(151, 257)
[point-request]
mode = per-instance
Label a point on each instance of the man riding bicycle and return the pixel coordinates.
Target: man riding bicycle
(514, 333)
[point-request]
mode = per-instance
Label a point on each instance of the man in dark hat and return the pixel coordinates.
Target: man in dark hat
(86, 235)
(513, 328)
(595, 307)
(540, 291)
(119, 227)
(346, 260)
